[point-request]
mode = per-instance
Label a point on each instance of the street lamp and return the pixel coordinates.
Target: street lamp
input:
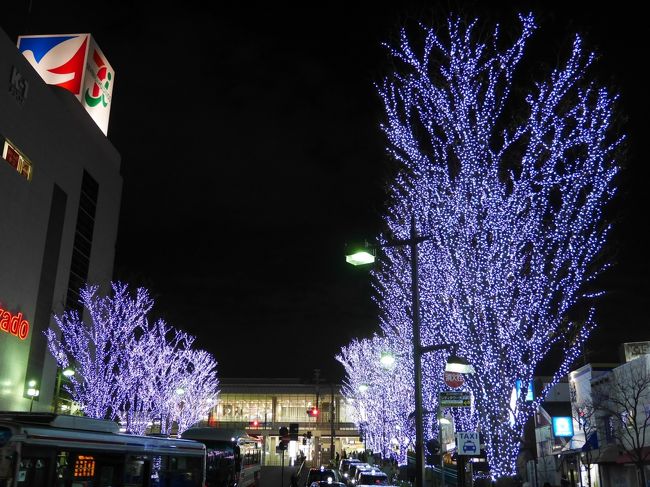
(67, 372)
(32, 392)
(357, 257)
(387, 360)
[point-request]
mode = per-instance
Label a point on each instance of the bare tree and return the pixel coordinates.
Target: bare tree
(585, 413)
(624, 403)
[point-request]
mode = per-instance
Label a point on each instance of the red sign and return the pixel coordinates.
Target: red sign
(454, 379)
(14, 324)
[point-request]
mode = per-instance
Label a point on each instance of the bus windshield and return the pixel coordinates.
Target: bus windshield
(5, 434)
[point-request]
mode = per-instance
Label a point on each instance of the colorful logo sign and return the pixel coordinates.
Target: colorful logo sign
(14, 324)
(59, 59)
(100, 92)
(73, 62)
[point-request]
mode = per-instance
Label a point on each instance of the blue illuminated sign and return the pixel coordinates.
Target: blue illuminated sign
(562, 426)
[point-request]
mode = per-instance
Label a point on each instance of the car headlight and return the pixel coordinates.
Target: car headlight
(345, 475)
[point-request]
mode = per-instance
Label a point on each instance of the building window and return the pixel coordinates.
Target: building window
(17, 160)
(83, 239)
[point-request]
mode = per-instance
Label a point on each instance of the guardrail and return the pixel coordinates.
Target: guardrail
(435, 478)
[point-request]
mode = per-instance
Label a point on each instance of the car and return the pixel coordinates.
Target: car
(322, 474)
(327, 483)
(371, 476)
(352, 472)
(469, 446)
(344, 466)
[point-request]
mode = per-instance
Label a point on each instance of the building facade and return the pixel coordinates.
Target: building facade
(263, 406)
(60, 191)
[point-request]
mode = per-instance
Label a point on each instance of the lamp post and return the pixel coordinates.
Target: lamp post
(361, 258)
(67, 372)
(32, 392)
(441, 421)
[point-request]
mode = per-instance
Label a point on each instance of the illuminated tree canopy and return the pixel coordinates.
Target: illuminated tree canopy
(129, 369)
(509, 192)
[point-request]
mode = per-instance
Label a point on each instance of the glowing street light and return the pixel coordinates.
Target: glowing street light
(360, 255)
(32, 392)
(387, 360)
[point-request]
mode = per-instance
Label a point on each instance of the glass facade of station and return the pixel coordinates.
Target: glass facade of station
(263, 408)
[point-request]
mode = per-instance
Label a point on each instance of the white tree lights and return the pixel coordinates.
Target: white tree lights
(130, 369)
(510, 193)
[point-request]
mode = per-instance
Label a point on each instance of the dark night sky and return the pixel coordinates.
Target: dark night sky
(251, 153)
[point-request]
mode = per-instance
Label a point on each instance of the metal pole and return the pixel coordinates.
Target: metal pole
(332, 431)
(58, 390)
(282, 474)
(417, 366)
(383, 427)
(442, 460)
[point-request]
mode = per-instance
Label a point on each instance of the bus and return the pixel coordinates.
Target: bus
(44, 449)
(234, 458)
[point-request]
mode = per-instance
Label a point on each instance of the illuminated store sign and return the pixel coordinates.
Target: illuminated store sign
(17, 160)
(562, 426)
(14, 324)
(74, 62)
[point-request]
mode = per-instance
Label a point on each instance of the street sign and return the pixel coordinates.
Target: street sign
(453, 399)
(454, 379)
(468, 443)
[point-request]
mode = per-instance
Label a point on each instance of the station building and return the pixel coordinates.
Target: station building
(263, 406)
(60, 191)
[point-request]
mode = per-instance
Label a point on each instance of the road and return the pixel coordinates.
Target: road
(273, 477)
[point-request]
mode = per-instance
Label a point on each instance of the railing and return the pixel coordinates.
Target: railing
(272, 428)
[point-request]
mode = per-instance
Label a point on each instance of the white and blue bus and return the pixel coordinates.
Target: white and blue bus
(41, 449)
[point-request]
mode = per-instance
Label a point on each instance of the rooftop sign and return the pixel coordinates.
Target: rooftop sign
(73, 62)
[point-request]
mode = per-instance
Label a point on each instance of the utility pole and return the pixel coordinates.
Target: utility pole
(332, 430)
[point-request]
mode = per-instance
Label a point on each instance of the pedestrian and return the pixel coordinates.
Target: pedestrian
(338, 457)
(345, 455)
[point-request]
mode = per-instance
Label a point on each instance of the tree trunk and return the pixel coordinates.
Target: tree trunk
(641, 468)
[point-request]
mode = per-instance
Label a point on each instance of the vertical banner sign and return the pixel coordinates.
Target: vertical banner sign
(74, 62)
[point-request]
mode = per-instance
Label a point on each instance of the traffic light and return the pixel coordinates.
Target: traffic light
(313, 412)
(283, 440)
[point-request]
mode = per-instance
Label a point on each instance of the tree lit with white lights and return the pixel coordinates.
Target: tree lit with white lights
(509, 190)
(129, 369)
(380, 395)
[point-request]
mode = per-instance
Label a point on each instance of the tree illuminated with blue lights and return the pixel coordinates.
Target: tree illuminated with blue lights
(130, 369)
(509, 183)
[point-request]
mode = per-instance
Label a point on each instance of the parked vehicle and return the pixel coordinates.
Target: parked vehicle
(322, 474)
(344, 466)
(352, 472)
(371, 476)
(326, 483)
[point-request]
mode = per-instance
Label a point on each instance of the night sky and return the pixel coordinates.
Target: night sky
(251, 153)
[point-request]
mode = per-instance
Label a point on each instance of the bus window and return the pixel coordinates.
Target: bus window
(134, 471)
(176, 472)
(33, 472)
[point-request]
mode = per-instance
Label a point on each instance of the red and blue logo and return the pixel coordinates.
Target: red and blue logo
(58, 59)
